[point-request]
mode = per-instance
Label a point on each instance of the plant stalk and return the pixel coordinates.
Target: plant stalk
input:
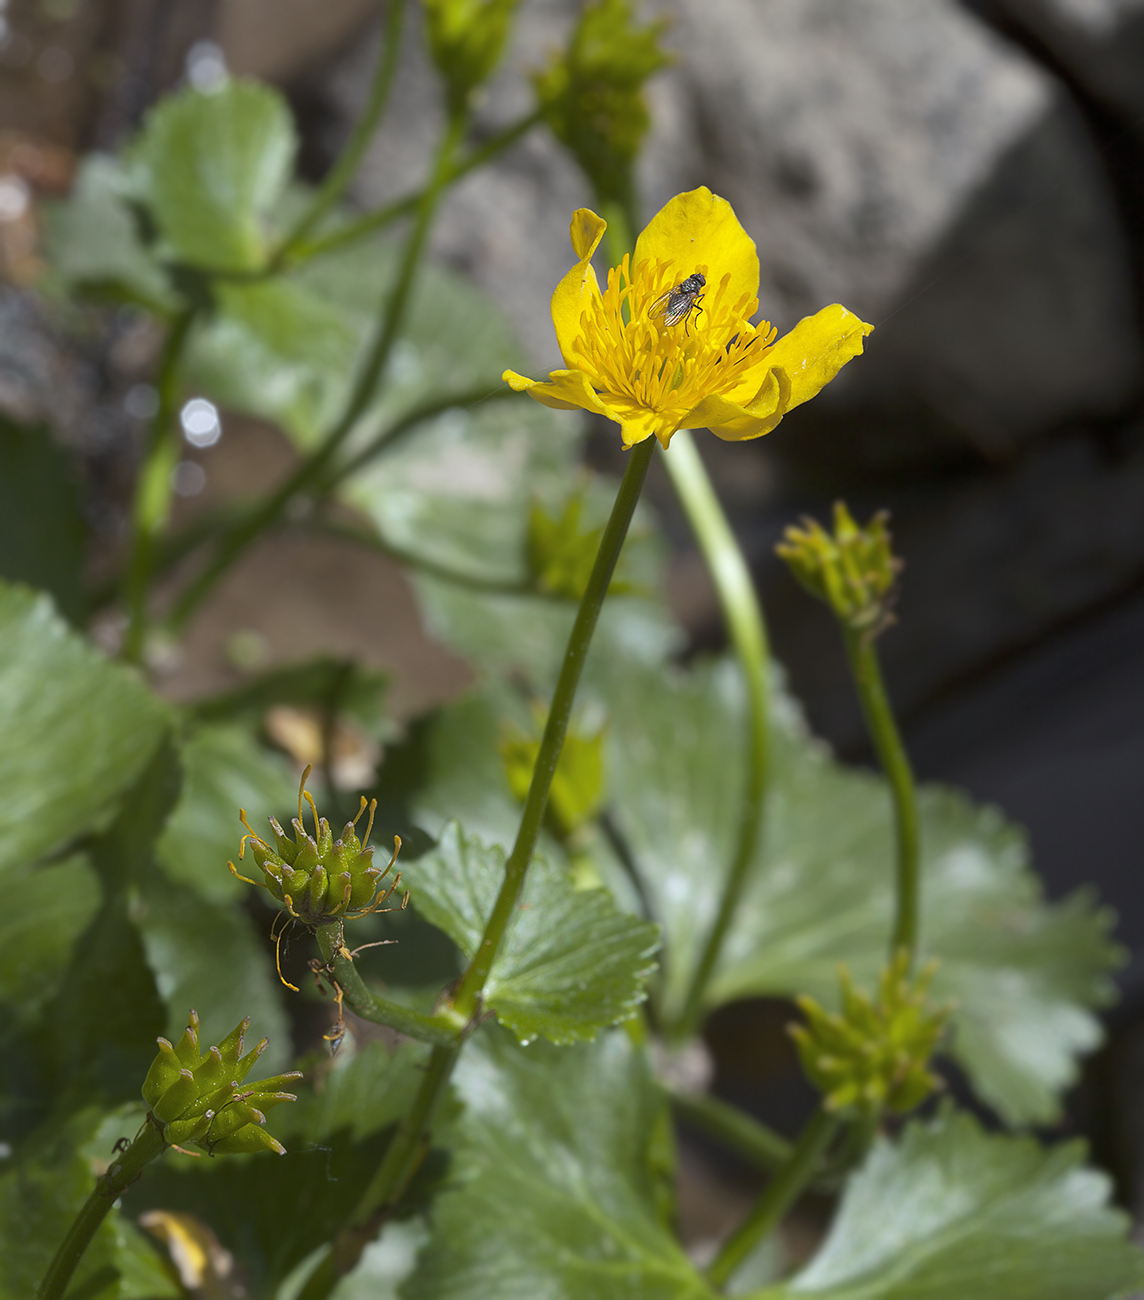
(236, 542)
(778, 1196)
(744, 618)
(867, 672)
(345, 169)
(467, 997)
(153, 490)
(737, 1130)
(124, 1170)
(441, 1029)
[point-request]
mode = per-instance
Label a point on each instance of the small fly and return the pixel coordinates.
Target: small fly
(678, 303)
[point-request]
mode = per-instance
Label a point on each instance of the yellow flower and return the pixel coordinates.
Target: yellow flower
(711, 369)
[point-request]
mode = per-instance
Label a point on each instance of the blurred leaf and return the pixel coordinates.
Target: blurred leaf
(358, 689)
(44, 913)
(385, 1264)
(552, 1191)
(820, 891)
(271, 1212)
(949, 1211)
(77, 730)
(224, 769)
(570, 963)
(208, 956)
(42, 530)
(38, 1200)
(211, 168)
(275, 349)
(94, 241)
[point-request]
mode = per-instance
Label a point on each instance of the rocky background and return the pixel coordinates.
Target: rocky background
(968, 176)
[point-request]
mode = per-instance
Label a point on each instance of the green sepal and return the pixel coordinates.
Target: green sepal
(163, 1072)
(252, 1140)
(181, 1131)
(242, 1068)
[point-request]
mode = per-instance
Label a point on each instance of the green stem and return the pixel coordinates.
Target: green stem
(468, 993)
(410, 1142)
(740, 1132)
(867, 673)
(778, 1196)
(441, 1029)
(744, 619)
(124, 1170)
(235, 543)
(370, 222)
(152, 505)
(344, 170)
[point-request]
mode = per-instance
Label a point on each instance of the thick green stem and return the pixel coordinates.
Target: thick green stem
(371, 222)
(442, 1029)
(153, 490)
(778, 1196)
(124, 1170)
(235, 543)
(740, 1132)
(867, 673)
(411, 1140)
(744, 619)
(345, 169)
(472, 982)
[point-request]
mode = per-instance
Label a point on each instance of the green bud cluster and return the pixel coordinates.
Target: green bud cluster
(577, 790)
(466, 40)
(592, 94)
(854, 570)
(199, 1099)
(873, 1055)
(559, 553)
(316, 877)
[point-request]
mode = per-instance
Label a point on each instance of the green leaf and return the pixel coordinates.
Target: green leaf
(224, 769)
(208, 956)
(42, 530)
(39, 1197)
(820, 890)
(77, 730)
(552, 1192)
(570, 963)
(272, 1212)
(277, 350)
(44, 913)
(95, 244)
(211, 168)
(949, 1211)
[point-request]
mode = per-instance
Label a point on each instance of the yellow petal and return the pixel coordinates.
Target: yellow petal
(817, 349)
(700, 229)
(579, 285)
(567, 390)
(736, 423)
(586, 231)
(639, 422)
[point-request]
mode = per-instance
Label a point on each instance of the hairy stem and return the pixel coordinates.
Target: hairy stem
(744, 619)
(867, 673)
(124, 1170)
(778, 1196)
(444, 1029)
(152, 504)
(345, 169)
(234, 543)
(552, 742)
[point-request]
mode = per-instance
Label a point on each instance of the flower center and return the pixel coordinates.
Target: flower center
(630, 349)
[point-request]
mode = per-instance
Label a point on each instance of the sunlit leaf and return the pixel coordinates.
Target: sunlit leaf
(949, 1211)
(1024, 973)
(552, 1191)
(77, 730)
(211, 167)
(570, 963)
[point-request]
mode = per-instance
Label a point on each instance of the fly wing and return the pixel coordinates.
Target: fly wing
(672, 306)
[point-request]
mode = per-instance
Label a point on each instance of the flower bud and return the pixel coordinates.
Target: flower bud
(318, 878)
(854, 570)
(200, 1099)
(466, 40)
(592, 94)
(873, 1055)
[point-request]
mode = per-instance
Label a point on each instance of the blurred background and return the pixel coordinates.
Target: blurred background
(968, 175)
